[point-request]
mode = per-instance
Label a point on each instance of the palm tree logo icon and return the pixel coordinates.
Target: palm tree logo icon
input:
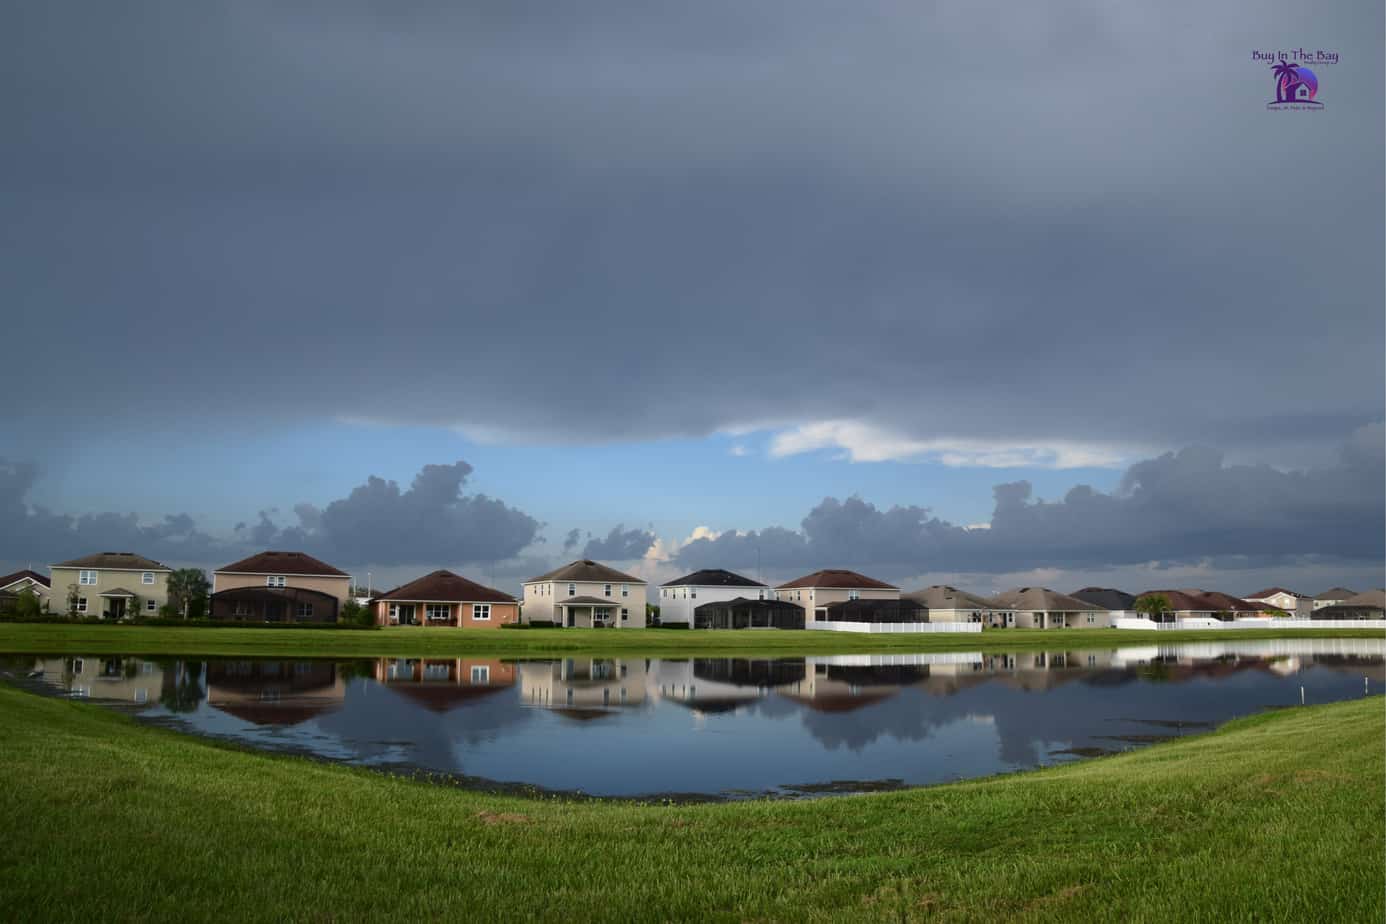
(1294, 83)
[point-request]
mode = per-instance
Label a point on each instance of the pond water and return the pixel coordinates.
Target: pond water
(720, 727)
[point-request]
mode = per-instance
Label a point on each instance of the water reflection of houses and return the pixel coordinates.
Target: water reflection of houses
(275, 692)
(584, 688)
(710, 685)
(442, 684)
(120, 679)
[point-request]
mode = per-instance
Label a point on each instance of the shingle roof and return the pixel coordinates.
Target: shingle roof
(1367, 598)
(944, 597)
(713, 577)
(446, 587)
(1041, 600)
(1336, 593)
(1109, 598)
(128, 561)
(9, 579)
(587, 601)
(838, 578)
(282, 563)
(584, 569)
(1197, 601)
(1270, 592)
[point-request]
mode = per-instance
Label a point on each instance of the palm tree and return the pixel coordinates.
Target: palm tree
(1152, 605)
(1286, 77)
(185, 586)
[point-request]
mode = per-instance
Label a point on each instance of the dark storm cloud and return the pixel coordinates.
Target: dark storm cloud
(431, 522)
(1183, 507)
(620, 544)
(1073, 221)
(571, 540)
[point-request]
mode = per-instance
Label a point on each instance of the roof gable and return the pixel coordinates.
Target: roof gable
(18, 576)
(270, 562)
(1042, 600)
(584, 569)
(838, 578)
(115, 561)
(713, 577)
(446, 587)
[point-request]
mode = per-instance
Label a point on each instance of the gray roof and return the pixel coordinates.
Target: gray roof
(1369, 598)
(1336, 593)
(587, 601)
(713, 577)
(116, 592)
(128, 561)
(1109, 598)
(584, 569)
(1042, 600)
(944, 597)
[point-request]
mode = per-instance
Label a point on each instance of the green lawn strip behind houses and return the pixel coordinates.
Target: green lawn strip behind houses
(26, 638)
(1276, 817)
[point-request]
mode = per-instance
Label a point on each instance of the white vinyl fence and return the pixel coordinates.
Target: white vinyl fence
(832, 626)
(1248, 623)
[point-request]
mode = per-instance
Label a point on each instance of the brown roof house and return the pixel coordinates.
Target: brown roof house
(816, 591)
(585, 594)
(1192, 603)
(27, 581)
(279, 587)
(1042, 608)
(111, 585)
(1278, 598)
(443, 598)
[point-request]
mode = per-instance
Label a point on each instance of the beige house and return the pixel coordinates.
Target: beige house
(585, 594)
(110, 585)
(814, 592)
(583, 688)
(27, 581)
(948, 604)
(1281, 599)
(279, 587)
(1042, 608)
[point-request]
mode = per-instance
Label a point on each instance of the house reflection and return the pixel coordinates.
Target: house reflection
(712, 685)
(134, 681)
(443, 684)
(275, 692)
(584, 688)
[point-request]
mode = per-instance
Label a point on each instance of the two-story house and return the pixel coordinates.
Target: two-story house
(814, 592)
(279, 587)
(585, 594)
(1278, 598)
(111, 585)
(680, 597)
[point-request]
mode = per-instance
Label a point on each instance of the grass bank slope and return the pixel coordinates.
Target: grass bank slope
(22, 638)
(1277, 817)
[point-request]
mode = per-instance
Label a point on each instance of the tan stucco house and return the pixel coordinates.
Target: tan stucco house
(279, 587)
(585, 594)
(110, 585)
(446, 599)
(816, 591)
(1042, 608)
(27, 581)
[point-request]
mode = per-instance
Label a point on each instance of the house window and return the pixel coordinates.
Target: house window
(147, 577)
(394, 612)
(1092, 620)
(150, 606)
(625, 614)
(572, 590)
(625, 590)
(305, 611)
(276, 580)
(853, 595)
(242, 608)
(606, 590)
(437, 612)
(87, 578)
(436, 671)
(81, 604)
(760, 595)
(693, 592)
(481, 612)
(601, 614)
(481, 673)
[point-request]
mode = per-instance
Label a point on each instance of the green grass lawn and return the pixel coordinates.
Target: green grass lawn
(22, 638)
(1277, 817)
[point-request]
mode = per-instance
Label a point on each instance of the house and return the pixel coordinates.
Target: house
(744, 613)
(30, 581)
(1117, 603)
(679, 598)
(948, 604)
(442, 684)
(446, 599)
(275, 693)
(1332, 597)
(279, 587)
(1278, 598)
(900, 610)
(585, 594)
(583, 689)
(816, 591)
(1192, 603)
(1369, 605)
(111, 585)
(1042, 608)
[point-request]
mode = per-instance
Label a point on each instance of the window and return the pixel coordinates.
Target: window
(394, 612)
(606, 590)
(87, 578)
(481, 612)
(437, 612)
(242, 608)
(1092, 620)
(436, 670)
(853, 595)
(693, 592)
(147, 577)
(150, 605)
(81, 604)
(276, 580)
(601, 614)
(481, 673)
(625, 614)
(760, 594)
(305, 611)
(572, 590)
(625, 590)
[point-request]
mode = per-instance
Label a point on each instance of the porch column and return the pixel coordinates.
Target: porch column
(458, 620)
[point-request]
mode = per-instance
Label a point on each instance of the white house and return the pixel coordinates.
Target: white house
(1332, 597)
(833, 585)
(585, 594)
(679, 598)
(1280, 598)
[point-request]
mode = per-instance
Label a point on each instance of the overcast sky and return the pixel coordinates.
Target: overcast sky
(939, 291)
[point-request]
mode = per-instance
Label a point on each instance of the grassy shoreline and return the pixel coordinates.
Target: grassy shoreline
(28, 638)
(1275, 817)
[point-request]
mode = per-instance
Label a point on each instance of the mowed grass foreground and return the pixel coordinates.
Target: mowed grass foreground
(1276, 817)
(409, 641)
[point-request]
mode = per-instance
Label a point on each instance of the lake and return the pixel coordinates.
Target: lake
(719, 727)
